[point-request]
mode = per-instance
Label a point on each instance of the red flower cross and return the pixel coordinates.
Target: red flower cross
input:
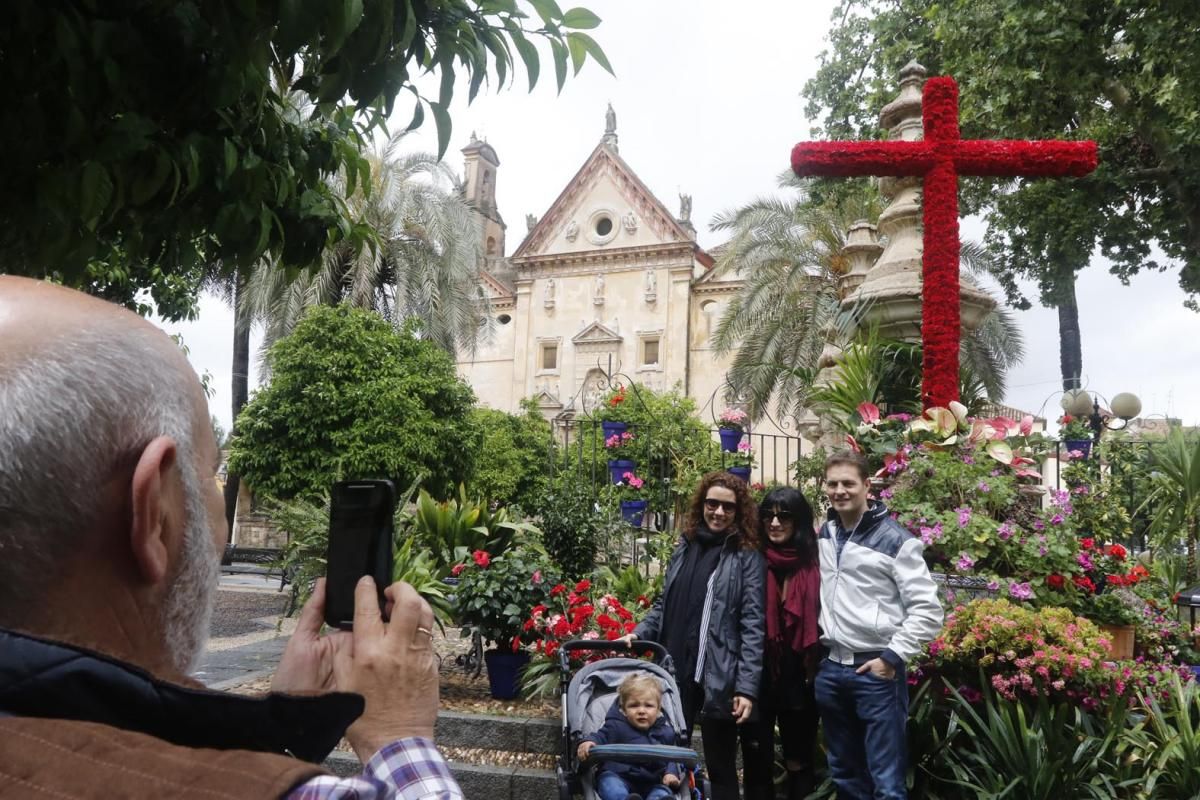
(940, 159)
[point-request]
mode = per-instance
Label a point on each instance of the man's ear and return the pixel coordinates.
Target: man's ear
(150, 523)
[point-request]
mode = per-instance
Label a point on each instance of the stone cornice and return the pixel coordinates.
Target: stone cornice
(676, 255)
(728, 287)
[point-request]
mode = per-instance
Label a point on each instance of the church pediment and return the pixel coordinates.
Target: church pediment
(545, 400)
(597, 333)
(604, 205)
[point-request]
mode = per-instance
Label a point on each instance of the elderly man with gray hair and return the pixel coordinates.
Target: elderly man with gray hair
(111, 528)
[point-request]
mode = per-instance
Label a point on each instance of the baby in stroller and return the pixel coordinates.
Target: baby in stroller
(617, 737)
(635, 718)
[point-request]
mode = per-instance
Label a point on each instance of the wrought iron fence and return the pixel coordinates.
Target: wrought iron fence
(579, 447)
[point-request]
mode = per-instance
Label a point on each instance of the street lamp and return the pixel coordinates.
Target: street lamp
(1124, 406)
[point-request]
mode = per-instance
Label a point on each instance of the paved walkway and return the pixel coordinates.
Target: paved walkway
(247, 637)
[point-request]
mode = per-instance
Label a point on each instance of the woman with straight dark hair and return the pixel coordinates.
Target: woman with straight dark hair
(792, 649)
(709, 617)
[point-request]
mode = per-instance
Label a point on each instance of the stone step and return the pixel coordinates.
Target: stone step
(478, 782)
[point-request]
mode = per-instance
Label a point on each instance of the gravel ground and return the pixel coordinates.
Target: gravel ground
(238, 612)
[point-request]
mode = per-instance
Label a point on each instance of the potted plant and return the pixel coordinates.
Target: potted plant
(494, 595)
(617, 465)
(1075, 434)
(732, 425)
(633, 499)
(741, 461)
(609, 412)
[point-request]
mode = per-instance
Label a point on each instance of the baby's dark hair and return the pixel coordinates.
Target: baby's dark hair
(639, 683)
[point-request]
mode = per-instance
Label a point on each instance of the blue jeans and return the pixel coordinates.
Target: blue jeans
(865, 720)
(613, 787)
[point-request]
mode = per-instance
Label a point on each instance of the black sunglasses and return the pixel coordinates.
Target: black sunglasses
(781, 515)
(712, 504)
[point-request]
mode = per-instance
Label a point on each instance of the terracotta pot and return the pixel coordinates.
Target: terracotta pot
(1120, 641)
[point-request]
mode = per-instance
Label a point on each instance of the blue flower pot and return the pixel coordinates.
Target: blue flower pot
(613, 428)
(1082, 445)
(617, 468)
(730, 439)
(741, 472)
(504, 672)
(634, 511)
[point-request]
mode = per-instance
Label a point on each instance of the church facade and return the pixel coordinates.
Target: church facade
(607, 281)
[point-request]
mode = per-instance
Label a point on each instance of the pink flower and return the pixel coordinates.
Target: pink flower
(482, 558)
(965, 563)
(1026, 425)
(537, 577)
(457, 569)
(1020, 591)
(869, 413)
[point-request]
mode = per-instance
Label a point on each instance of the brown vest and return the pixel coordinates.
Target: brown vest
(65, 759)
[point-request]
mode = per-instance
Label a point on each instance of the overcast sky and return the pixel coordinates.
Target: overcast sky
(707, 97)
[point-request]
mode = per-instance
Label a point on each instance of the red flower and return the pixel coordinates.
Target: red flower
(482, 558)
(623, 613)
(557, 590)
(1067, 419)
(561, 627)
(1115, 580)
(1116, 551)
(643, 601)
(1087, 543)
(528, 626)
(457, 569)
(1084, 582)
(583, 585)
(612, 634)
(516, 643)
(605, 622)
(1138, 572)
(1055, 581)
(629, 626)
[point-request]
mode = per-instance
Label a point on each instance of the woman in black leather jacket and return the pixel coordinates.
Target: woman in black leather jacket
(792, 646)
(709, 617)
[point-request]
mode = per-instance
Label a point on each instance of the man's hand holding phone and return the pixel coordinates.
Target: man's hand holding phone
(391, 664)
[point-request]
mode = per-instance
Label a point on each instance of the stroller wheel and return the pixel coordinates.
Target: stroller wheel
(564, 785)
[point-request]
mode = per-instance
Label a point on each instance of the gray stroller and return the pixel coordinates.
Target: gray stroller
(586, 699)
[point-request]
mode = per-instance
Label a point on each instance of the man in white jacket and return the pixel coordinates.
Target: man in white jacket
(879, 606)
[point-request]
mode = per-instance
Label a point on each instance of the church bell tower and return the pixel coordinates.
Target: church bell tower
(480, 167)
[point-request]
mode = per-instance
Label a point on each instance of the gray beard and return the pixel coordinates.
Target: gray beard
(188, 609)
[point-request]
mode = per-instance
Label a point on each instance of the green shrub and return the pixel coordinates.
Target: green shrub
(350, 397)
(569, 523)
(511, 465)
(494, 595)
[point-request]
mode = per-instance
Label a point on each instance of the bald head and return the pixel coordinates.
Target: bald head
(86, 387)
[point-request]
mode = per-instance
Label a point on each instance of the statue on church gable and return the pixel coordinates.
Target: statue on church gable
(548, 298)
(630, 222)
(685, 207)
(598, 290)
(610, 120)
(531, 221)
(572, 230)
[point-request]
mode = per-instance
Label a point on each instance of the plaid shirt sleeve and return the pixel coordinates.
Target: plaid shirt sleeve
(406, 769)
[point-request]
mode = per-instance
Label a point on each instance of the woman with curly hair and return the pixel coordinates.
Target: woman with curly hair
(709, 617)
(792, 646)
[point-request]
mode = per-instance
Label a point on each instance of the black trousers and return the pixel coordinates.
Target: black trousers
(797, 735)
(721, 740)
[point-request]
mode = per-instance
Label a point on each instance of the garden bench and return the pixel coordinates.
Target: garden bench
(268, 557)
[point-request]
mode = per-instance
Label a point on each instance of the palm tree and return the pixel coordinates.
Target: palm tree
(422, 259)
(787, 313)
(1175, 496)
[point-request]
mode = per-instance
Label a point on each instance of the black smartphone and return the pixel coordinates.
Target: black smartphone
(360, 543)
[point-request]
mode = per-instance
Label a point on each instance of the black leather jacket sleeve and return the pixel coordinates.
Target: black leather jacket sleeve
(753, 624)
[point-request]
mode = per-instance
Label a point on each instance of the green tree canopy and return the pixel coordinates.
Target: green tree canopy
(513, 463)
(150, 138)
(1124, 73)
(350, 398)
